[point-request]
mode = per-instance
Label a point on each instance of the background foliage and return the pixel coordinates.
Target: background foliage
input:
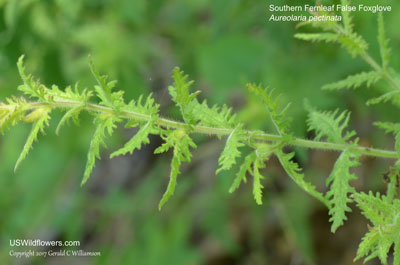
(222, 45)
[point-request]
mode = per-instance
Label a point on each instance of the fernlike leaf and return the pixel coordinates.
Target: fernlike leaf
(257, 186)
(182, 97)
(393, 128)
(148, 107)
(396, 252)
(69, 94)
(104, 123)
(388, 127)
(181, 142)
(73, 114)
(353, 43)
(385, 217)
(13, 113)
(339, 182)
(383, 42)
(141, 137)
(41, 119)
(295, 173)
(329, 124)
(214, 117)
(317, 37)
(252, 164)
(347, 19)
(393, 96)
(244, 168)
(104, 89)
(31, 87)
(231, 151)
(278, 117)
(392, 177)
(355, 81)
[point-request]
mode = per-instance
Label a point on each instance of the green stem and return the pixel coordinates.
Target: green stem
(388, 78)
(371, 61)
(168, 123)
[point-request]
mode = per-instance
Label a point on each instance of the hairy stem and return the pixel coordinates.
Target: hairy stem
(168, 123)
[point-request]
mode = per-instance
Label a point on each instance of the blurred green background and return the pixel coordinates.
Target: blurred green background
(222, 45)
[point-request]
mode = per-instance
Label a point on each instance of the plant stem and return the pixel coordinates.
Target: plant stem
(371, 62)
(168, 123)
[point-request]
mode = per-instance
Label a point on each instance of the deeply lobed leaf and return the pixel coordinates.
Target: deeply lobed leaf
(393, 128)
(347, 19)
(41, 120)
(294, 172)
(231, 151)
(214, 117)
(279, 117)
(393, 96)
(244, 168)
(104, 123)
(181, 142)
(252, 164)
(31, 87)
(353, 43)
(355, 81)
(329, 124)
(383, 42)
(104, 89)
(257, 186)
(384, 215)
(141, 137)
(73, 114)
(182, 97)
(14, 113)
(339, 182)
(315, 37)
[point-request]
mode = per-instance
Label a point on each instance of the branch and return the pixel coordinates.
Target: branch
(199, 129)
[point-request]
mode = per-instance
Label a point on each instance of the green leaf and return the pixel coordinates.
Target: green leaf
(383, 42)
(347, 19)
(340, 187)
(392, 179)
(181, 142)
(393, 128)
(244, 168)
(11, 116)
(393, 96)
(314, 37)
(104, 123)
(385, 217)
(388, 127)
(355, 81)
(104, 89)
(396, 252)
(35, 89)
(214, 117)
(231, 151)
(367, 245)
(73, 113)
(181, 96)
(56, 94)
(257, 186)
(41, 122)
(279, 118)
(141, 137)
(353, 43)
(294, 172)
(149, 107)
(329, 124)
(31, 87)
(252, 164)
